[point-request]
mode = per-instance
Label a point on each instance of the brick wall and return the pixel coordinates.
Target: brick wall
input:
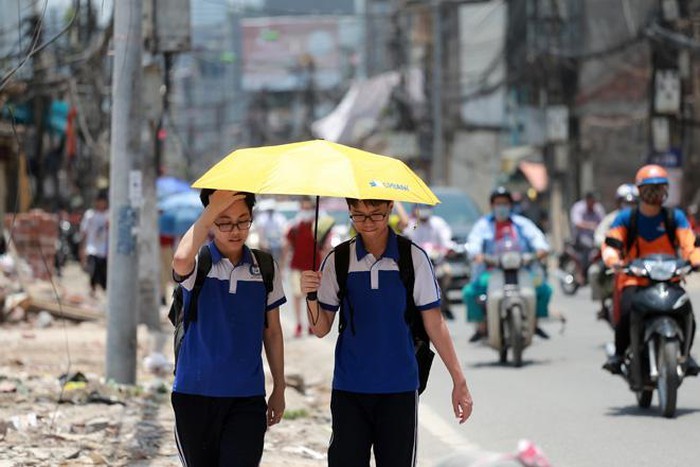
(35, 235)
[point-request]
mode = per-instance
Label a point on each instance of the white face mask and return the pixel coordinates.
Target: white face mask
(501, 212)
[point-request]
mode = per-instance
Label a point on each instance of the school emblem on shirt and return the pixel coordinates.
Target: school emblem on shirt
(254, 270)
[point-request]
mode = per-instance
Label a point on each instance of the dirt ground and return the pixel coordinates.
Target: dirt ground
(90, 422)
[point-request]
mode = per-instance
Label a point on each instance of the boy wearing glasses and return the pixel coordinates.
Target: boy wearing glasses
(375, 399)
(219, 391)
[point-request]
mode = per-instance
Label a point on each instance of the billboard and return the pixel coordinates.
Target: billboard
(277, 51)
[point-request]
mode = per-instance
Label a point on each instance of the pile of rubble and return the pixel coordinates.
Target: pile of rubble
(30, 288)
(56, 407)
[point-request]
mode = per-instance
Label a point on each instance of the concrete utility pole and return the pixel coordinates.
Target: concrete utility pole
(668, 137)
(40, 101)
(125, 193)
(438, 163)
(693, 166)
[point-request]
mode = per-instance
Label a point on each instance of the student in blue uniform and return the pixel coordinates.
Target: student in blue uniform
(375, 383)
(219, 391)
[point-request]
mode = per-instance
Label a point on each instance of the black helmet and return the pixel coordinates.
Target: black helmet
(501, 191)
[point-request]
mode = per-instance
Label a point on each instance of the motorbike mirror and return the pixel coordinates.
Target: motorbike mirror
(614, 243)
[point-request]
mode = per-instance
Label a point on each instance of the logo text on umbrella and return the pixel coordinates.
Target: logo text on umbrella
(389, 185)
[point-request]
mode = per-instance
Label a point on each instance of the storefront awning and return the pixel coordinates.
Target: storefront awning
(536, 174)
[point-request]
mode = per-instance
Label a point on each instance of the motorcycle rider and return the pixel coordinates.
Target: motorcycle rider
(487, 230)
(426, 228)
(626, 196)
(651, 238)
(585, 215)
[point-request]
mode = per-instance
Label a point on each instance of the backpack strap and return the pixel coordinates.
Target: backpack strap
(632, 231)
(267, 268)
(406, 273)
(408, 278)
(421, 340)
(267, 271)
(203, 268)
(669, 217)
(670, 225)
(342, 265)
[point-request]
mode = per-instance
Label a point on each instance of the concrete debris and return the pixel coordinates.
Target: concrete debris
(43, 319)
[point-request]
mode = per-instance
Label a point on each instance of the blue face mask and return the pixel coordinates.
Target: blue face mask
(501, 212)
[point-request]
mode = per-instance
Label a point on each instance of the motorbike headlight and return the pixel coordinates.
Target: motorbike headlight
(511, 260)
(661, 271)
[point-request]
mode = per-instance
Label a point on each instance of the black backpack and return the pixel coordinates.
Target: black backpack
(177, 314)
(633, 231)
(421, 341)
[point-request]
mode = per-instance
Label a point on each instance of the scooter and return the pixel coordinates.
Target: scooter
(442, 268)
(574, 262)
(510, 302)
(660, 331)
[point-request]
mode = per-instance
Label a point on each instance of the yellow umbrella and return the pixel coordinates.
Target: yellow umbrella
(318, 168)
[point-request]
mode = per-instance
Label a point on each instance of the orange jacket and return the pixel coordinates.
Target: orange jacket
(651, 239)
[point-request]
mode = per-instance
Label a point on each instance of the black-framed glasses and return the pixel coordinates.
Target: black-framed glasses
(229, 226)
(374, 217)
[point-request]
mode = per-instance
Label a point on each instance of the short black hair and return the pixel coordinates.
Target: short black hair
(353, 202)
(207, 192)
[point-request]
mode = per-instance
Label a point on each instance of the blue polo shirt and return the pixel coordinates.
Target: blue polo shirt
(379, 358)
(221, 353)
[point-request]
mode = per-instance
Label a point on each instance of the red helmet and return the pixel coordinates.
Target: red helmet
(651, 175)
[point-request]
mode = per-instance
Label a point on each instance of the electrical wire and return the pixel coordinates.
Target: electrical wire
(35, 50)
(658, 33)
(62, 317)
(5, 81)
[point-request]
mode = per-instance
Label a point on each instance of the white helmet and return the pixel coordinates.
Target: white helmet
(627, 193)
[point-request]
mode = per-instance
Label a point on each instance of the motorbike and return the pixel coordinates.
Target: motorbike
(438, 256)
(660, 331)
(457, 260)
(510, 302)
(574, 262)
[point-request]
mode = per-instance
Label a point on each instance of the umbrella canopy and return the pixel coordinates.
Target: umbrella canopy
(178, 212)
(184, 200)
(167, 185)
(317, 168)
(177, 222)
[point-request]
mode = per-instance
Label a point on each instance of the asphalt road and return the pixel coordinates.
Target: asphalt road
(578, 414)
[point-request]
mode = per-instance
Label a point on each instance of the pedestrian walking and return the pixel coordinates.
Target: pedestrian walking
(299, 251)
(221, 415)
(271, 226)
(94, 229)
(376, 380)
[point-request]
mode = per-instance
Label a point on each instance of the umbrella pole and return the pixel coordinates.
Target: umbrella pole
(312, 295)
(313, 265)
